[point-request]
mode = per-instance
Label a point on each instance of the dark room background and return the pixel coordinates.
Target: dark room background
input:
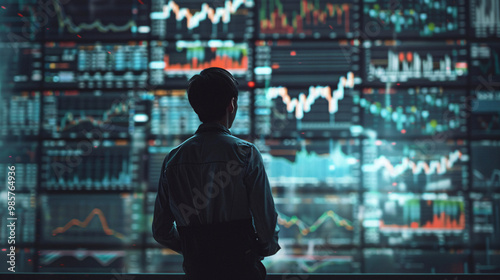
(378, 121)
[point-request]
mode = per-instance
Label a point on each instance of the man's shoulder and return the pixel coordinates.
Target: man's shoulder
(221, 139)
(243, 146)
(196, 146)
(240, 141)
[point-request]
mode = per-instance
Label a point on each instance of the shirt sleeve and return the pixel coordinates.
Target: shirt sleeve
(262, 205)
(164, 229)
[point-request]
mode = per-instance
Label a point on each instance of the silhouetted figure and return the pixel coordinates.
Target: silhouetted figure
(214, 202)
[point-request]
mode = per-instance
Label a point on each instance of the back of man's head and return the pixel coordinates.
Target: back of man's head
(210, 92)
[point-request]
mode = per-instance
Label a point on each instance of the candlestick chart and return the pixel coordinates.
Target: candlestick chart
(310, 19)
(415, 220)
(411, 63)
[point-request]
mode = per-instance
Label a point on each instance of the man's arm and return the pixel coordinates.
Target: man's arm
(262, 204)
(164, 229)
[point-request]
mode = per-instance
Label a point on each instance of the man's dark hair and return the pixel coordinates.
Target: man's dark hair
(210, 92)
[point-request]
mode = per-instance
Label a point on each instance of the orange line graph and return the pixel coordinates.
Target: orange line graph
(95, 212)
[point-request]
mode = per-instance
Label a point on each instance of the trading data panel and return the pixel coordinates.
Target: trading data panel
(314, 220)
(97, 20)
(331, 165)
(89, 165)
(70, 64)
(308, 19)
(74, 113)
(415, 111)
(21, 66)
(484, 15)
(416, 63)
(301, 63)
(416, 18)
(485, 112)
(314, 111)
(415, 166)
(411, 220)
(173, 63)
(172, 115)
(201, 19)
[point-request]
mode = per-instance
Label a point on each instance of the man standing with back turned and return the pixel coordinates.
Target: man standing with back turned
(215, 188)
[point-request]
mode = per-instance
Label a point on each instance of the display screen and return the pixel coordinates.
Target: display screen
(378, 123)
(200, 19)
(308, 19)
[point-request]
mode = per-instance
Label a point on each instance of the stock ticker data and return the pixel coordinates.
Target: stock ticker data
(378, 123)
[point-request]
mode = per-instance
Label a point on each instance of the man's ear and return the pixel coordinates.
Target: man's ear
(232, 105)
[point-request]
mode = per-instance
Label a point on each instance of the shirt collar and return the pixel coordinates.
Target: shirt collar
(216, 127)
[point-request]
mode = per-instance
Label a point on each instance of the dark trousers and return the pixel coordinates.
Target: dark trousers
(221, 251)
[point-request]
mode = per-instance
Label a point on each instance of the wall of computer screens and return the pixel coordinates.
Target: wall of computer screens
(378, 121)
